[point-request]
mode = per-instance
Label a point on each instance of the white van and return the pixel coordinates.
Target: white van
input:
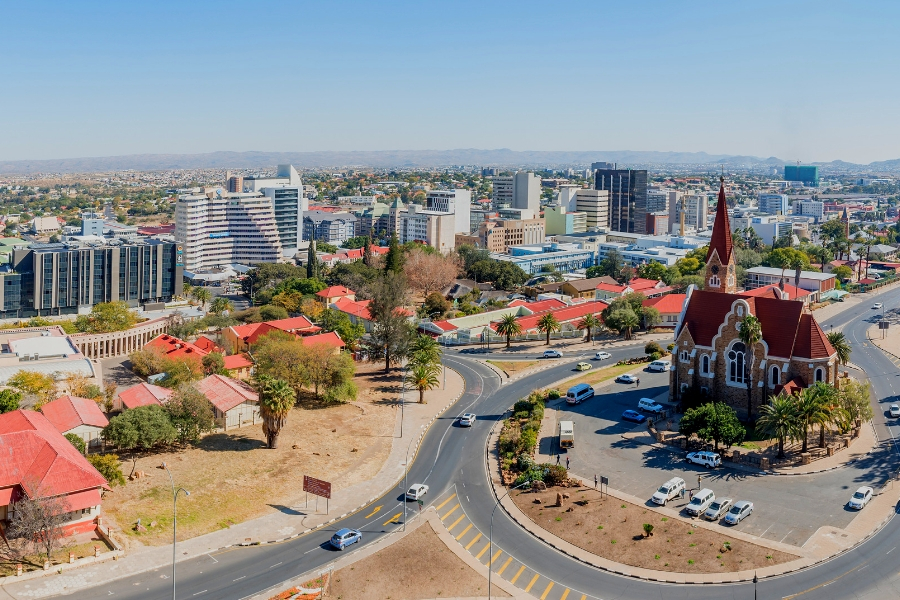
(578, 393)
(659, 365)
(700, 502)
(648, 405)
(670, 489)
(566, 434)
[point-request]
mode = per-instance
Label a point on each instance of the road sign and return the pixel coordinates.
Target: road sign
(316, 486)
(884, 325)
(604, 480)
(421, 502)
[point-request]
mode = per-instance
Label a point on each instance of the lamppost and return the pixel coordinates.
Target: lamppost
(174, 519)
(491, 535)
(755, 581)
(406, 480)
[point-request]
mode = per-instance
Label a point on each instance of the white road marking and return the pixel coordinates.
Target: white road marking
(275, 565)
(891, 550)
(238, 579)
(198, 593)
(209, 555)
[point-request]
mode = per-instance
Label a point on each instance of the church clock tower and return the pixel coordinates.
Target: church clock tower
(721, 274)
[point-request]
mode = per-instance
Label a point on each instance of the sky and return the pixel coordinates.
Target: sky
(796, 79)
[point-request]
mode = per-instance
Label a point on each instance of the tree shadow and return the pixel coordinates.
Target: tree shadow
(287, 510)
(227, 442)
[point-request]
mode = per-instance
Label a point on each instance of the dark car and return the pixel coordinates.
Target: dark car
(633, 415)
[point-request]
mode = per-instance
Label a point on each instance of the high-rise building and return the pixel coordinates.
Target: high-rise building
(657, 200)
(234, 183)
(809, 208)
(490, 172)
(774, 204)
(289, 202)
(333, 228)
(627, 198)
(218, 229)
(595, 205)
(807, 174)
(522, 190)
(558, 221)
(434, 228)
(696, 209)
(456, 202)
(602, 166)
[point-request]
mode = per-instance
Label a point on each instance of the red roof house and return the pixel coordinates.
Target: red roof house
(234, 402)
(176, 348)
(143, 394)
(669, 307)
(238, 366)
(335, 292)
(331, 339)
(566, 315)
(79, 416)
(239, 338)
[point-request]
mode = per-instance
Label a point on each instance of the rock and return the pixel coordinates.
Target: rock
(153, 523)
(536, 501)
(355, 450)
(316, 454)
(140, 528)
(295, 447)
(570, 509)
(559, 499)
(334, 431)
(565, 496)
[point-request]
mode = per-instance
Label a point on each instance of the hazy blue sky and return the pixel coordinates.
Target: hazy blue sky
(800, 80)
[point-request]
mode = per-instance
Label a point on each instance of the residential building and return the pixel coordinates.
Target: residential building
(289, 204)
(669, 307)
(595, 205)
(470, 328)
(333, 228)
(178, 349)
(773, 204)
(436, 229)
(522, 190)
(78, 416)
(806, 174)
(234, 183)
(560, 222)
(782, 291)
(142, 394)
(455, 202)
(810, 208)
(218, 229)
(239, 338)
(657, 200)
(332, 294)
(234, 402)
(567, 316)
(812, 281)
(349, 255)
(651, 288)
(627, 197)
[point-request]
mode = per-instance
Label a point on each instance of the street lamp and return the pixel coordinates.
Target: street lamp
(755, 581)
(491, 535)
(174, 518)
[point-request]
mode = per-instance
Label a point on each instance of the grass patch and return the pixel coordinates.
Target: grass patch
(595, 376)
(511, 367)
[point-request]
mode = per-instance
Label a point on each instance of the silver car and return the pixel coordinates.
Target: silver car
(861, 497)
(740, 511)
(718, 508)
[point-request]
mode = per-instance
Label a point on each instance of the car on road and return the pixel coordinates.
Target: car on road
(670, 489)
(626, 378)
(466, 420)
(583, 366)
(700, 502)
(860, 498)
(602, 355)
(895, 410)
(740, 511)
(718, 508)
(704, 459)
(345, 537)
(648, 405)
(659, 366)
(552, 354)
(633, 415)
(416, 491)
(877, 306)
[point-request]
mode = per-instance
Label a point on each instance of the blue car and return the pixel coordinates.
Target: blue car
(344, 537)
(633, 415)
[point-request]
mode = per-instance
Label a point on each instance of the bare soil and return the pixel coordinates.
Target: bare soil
(417, 567)
(232, 477)
(81, 546)
(613, 530)
(511, 367)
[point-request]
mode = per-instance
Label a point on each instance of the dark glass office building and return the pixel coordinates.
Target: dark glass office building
(627, 198)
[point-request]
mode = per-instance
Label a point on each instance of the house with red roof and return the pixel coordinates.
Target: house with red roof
(568, 316)
(207, 344)
(331, 294)
(174, 347)
(358, 311)
(792, 353)
(348, 256)
(143, 394)
(234, 403)
(38, 462)
(669, 307)
(239, 366)
(330, 340)
(650, 288)
(239, 338)
(78, 416)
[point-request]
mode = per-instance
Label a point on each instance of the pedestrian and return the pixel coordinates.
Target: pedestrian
(567, 463)
(682, 493)
(557, 459)
(638, 382)
(595, 482)
(692, 495)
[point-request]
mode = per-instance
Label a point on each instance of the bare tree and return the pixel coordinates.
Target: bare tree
(39, 521)
(428, 273)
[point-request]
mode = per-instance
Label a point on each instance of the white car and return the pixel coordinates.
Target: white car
(717, 509)
(626, 378)
(602, 355)
(416, 491)
(466, 420)
(877, 306)
(740, 511)
(895, 410)
(704, 459)
(552, 354)
(861, 497)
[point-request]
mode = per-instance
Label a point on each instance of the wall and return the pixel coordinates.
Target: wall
(119, 343)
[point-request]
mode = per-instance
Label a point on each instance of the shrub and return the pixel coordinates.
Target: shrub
(554, 474)
(652, 347)
(528, 440)
(108, 465)
(655, 356)
(522, 406)
(670, 347)
(524, 463)
(77, 442)
(552, 395)
(648, 529)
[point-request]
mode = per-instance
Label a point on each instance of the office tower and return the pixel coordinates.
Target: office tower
(285, 190)
(522, 190)
(627, 198)
(502, 196)
(456, 202)
(773, 204)
(674, 208)
(234, 183)
(566, 196)
(809, 208)
(602, 166)
(657, 200)
(92, 224)
(218, 229)
(334, 228)
(490, 172)
(595, 205)
(805, 173)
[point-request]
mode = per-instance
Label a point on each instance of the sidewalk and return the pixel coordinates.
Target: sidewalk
(274, 527)
(850, 301)
(534, 345)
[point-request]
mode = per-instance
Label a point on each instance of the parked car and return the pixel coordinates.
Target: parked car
(626, 378)
(877, 306)
(700, 502)
(740, 511)
(648, 405)
(633, 415)
(416, 491)
(895, 410)
(579, 393)
(344, 537)
(552, 354)
(466, 420)
(659, 366)
(583, 366)
(718, 508)
(602, 355)
(670, 489)
(861, 497)
(704, 459)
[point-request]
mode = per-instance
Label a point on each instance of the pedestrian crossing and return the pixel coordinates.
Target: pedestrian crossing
(501, 563)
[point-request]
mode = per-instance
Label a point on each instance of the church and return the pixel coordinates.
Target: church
(792, 354)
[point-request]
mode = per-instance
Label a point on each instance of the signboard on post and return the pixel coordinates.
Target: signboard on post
(317, 488)
(604, 481)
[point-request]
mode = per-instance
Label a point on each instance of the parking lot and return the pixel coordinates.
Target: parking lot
(787, 509)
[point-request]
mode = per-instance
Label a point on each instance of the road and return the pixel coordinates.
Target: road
(451, 461)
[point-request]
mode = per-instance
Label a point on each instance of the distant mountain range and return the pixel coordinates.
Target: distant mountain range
(405, 159)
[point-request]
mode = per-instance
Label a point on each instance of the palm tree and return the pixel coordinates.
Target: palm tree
(750, 332)
(220, 304)
(840, 344)
(548, 324)
(187, 290)
(509, 327)
(423, 377)
(588, 323)
(813, 409)
(424, 350)
(276, 399)
(779, 419)
(201, 294)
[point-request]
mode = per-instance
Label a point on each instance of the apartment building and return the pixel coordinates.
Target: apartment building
(773, 204)
(809, 208)
(334, 228)
(595, 205)
(437, 229)
(522, 190)
(289, 202)
(455, 202)
(695, 208)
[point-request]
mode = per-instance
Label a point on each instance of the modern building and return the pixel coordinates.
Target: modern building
(434, 228)
(595, 205)
(455, 202)
(627, 198)
(768, 227)
(285, 190)
(560, 222)
(809, 208)
(334, 228)
(499, 235)
(812, 281)
(602, 166)
(657, 223)
(773, 204)
(234, 183)
(522, 190)
(657, 200)
(695, 208)
(217, 229)
(806, 174)
(536, 258)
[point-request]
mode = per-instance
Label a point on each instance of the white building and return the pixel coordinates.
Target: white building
(456, 202)
(768, 227)
(285, 190)
(435, 228)
(696, 209)
(809, 208)
(41, 225)
(522, 190)
(595, 205)
(773, 204)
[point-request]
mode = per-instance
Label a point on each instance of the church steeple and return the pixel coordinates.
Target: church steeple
(845, 219)
(720, 269)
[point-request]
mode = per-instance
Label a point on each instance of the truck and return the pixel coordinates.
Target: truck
(566, 434)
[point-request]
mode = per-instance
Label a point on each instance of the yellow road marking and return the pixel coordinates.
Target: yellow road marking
(547, 590)
(483, 550)
(506, 564)
(374, 512)
(442, 504)
(450, 512)
(474, 539)
(516, 576)
(565, 595)
(584, 597)
(456, 522)
(464, 531)
(495, 556)
(531, 583)
(393, 519)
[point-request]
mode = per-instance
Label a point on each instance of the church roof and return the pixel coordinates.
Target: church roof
(721, 233)
(811, 340)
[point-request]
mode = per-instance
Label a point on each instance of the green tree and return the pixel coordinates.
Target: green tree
(856, 407)
(191, 413)
(652, 270)
(623, 321)
(179, 372)
(9, 400)
(391, 332)
(39, 386)
(329, 374)
(220, 304)
(779, 419)
(610, 266)
(201, 295)
(548, 324)
(107, 317)
(842, 273)
(509, 326)
(436, 306)
(355, 242)
(76, 441)
(814, 408)
(312, 263)
(393, 261)
(589, 323)
(339, 322)
(713, 422)
(424, 350)
(214, 364)
(108, 466)
(688, 265)
(141, 428)
(423, 377)
(840, 344)
(750, 333)
(651, 316)
(276, 399)
(273, 313)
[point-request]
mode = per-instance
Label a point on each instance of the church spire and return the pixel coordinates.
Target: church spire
(720, 265)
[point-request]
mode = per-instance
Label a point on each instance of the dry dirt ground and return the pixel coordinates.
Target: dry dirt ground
(418, 566)
(511, 367)
(614, 530)
(81, 546)
(232, 477)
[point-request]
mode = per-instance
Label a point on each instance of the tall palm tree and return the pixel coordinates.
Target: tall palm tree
(589, 323)
(779, 419)
(840, 344)
(423, 377)
(750, 332)
(548, 324)
(812, 409)
(187, 290)
(276, 399)
(202, 295)
(220, 304)
(509, 327)
(424, 350)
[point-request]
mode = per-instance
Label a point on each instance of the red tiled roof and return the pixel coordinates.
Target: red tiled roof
(608, 287)
(358, 308)
(668, 304)
(705, 312)
(174, 347)
(37, 458)
(204, 343)
(237, 361)
(540, 305)
(251, 332)
(639, 283)
(68, 412)
(563, 315)
(778, 320)
(721, 232)
(811, 340)
(335, 290)
(331, 339)
(444, 325)
(772, 291)
(791, 388)
(225, 393)
(293, 324)
(144, 394)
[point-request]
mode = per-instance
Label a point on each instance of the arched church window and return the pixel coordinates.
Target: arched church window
(736, 363)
